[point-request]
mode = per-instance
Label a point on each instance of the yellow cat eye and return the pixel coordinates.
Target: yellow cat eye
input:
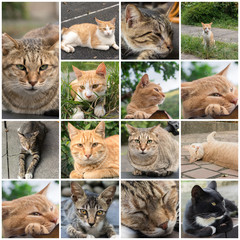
(94, 144)
(137, 141)
(82, 87)
(94, 85)
(21, 67)
(80, 145)
(83, 211)
(99, 213)
(43, 67)
(149, 141)
(213, 203)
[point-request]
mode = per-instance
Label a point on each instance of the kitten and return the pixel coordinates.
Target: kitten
(30, 73)
(88, 86)
(100, 36)
(145, 99)
(207, 212)
(224, 154)
(149, 207)
(33, 215)
(152, 151)
(208, 38)
(211, 96)
(146, 32)
(94, 155)
(31, 136)
(86, 213)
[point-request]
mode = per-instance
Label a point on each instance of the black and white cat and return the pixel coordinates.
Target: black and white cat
(207, 212)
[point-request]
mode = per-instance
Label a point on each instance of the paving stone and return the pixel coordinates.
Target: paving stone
(230, 172)
(185, 168)
(201, 173)
(201, 163)
(212, 167)
(227, 177)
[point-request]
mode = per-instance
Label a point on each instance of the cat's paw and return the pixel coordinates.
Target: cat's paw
(137, 172)
(75, 174)
(115, 46)
(114, 236)
(90, 236)
(129, 116)
(78, 115)
(141, 115)
(99, 111)
(28, 176)
(36, 229)
(21, 176)
(216, 110)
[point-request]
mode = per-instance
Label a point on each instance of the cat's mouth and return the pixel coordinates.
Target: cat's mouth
(32, 89)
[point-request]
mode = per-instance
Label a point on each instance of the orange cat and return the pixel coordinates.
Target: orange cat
(30, 215)
(208, 38)
(94, 155)
(145, 99)
(100, 36)
(211, 96)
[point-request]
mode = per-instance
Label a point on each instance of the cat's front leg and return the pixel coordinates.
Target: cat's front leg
(102, 47)
(115, 46)
(137, 172)
(78, 114)
(21, 173)
(216, 110)
(36, 229)
(141, 115)
(32, 166)
(202, 232)
(129, 116)
(159, 173)
(73, 233)
(111, 232)
(99, 110)
(226, 224)
(147, 54)
(76, 174)
(101, 173)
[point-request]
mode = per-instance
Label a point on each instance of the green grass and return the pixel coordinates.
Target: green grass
(194, 46)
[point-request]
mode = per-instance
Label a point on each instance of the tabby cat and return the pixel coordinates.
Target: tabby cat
(152, 151)
(30, 72)
(94, 155)
(145, 99)
(146, 32)
(30, 215)
(86, 213)
(211, 96)
(207, 212)
(31, 136)
(88, 86)
(100, 36)
(149, 207)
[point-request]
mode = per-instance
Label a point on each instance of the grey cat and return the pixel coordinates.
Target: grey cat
(85, 213)
(31, 136)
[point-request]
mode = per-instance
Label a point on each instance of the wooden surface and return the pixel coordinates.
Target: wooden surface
(160, 114)
(53, 234)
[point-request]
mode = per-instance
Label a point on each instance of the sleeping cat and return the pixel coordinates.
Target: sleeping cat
(207, 212)
(30, 73)
(30, 215)
(145, 99)
(224, 154)
(211, 96)
(94, 155)
(148, 207)
(146, 32)
(31, 136)
(100, 36)
(86, 213)
(152, 151)
(88, 86)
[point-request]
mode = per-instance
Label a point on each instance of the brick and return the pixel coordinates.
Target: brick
(212, 167)
(230, 172)
(201, 173)
(185, 168)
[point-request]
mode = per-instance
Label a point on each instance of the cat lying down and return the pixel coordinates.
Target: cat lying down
(224, 154)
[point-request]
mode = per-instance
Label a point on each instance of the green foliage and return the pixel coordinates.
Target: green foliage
(111, 128)
(13, 10)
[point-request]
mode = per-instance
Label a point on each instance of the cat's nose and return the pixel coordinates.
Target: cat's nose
(88, 96)
(91, 224)
(163, 95)
(164, 225)
(234, 100)
(88, 155)
(33, 83)
(54, 220)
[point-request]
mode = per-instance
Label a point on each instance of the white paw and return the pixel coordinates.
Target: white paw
(213, 229)
(72, 49)
(99, 111)
(114, 236)
(115, 46)
(20, 177)
(90, 236)
(78, 115)
(28, 176)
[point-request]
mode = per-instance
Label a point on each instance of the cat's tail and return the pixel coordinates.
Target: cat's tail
(64, 30)
(210, 137)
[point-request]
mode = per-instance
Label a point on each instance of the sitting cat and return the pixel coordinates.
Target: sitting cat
(31, 136)
(145, 99)
(30, 75)
(88, 86)
(208, 38)
(207, 212)
(148, 207)
(86, 213)
(94, 155)
(146, 32)
(152, 151)
(100, 36)
(30, 215)
(224, 154)
(211, 96)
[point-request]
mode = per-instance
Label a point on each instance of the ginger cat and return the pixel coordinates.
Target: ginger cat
(208, 38)
(224, 154)
(30, 215)
(94, 155)
(211, 96)
(145, 99)
(100, 36)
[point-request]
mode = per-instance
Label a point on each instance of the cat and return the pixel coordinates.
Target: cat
(152, 151)
(145, 99)
(211, 96)
(224, 154)
(94, 155)
(149, 207)
(88, 86)
(29, 215)
(86, 213)
(146, 32)
(100, 36)
(207, 212)
(30, 75)
(31, 136)
(208, 38)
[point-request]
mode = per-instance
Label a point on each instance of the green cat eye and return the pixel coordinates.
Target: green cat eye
(82, 87)
(94, 144)
(213, 203)
(43, 67)
(95, 85)
(149, 141)
(99, 213)
(80, 145)
(137, 141)
(21, 67)
(83, 211)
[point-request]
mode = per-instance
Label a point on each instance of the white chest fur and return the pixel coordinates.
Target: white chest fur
(207, 36)
(95, 231)
(105, 40)
(205, 222)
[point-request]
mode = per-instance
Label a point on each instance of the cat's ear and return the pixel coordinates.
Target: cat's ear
(132, 15)
(77, 191)
(131, 130)
(224, 71)
(212, 185)
(144, 81)
(210, 23)
(78, 72)
(155, 129)
(108, 194)
(72, 130)
(186, 89)
(8, 43)
(35, 133)
(44, 190)
(113, 21)
(101, 70)
(98, 21)
(202, 23)
(197, 192)
(100, 129)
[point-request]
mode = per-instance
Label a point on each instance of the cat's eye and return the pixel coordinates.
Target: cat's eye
(43, 67)
(95, 85)
(94, 144)
(216, 95)
(104, 29)
(149, 141)
(231, 89)
(36, 214)
(137, 141)
(51, 208)
(213, 203)
(83, 211)
(99, 213)
(21, 67)
(80, 145)
(82, 87)
(156, 89)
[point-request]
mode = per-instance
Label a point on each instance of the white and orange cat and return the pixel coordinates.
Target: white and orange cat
(88, 86)
(94, 155)
(100, 36)
(30, 215)
(207, 34)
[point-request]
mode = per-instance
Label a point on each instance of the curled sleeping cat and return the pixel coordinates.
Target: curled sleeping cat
(224, 154)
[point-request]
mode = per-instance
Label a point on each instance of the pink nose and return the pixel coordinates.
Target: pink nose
(88, 96)
(54, 220)
(88, 155)
(234, 101)
(164, 225)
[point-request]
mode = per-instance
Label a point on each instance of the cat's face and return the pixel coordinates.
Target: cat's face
(90, 208)
(28, 140)
(90, 84)
(106, 28)
(88, 146)
(196, 151)
(207, 27)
